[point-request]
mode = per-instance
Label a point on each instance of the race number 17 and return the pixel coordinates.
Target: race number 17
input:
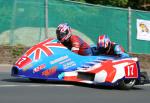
(131, 71)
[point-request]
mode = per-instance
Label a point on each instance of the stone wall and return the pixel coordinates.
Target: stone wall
(10, 54)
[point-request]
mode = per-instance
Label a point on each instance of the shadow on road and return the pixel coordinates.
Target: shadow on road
(27, 81)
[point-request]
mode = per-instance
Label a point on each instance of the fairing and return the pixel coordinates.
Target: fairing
(50, 60)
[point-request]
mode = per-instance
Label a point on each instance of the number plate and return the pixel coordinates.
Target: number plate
(131, 71)
(23, 61)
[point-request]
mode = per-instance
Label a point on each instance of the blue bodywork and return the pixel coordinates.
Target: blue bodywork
(53, 66)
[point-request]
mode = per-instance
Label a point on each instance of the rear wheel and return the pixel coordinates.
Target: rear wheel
(144, 78)
(127, 84)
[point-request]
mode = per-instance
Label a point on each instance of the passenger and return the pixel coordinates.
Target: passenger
(72, 42)
(106, 47)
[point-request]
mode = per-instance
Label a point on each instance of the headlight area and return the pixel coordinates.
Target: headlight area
(14, 71)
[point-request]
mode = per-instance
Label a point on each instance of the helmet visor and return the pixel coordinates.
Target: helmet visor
(60, 35)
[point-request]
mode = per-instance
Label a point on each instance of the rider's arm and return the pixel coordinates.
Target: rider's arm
(75, 48)
(75, 44)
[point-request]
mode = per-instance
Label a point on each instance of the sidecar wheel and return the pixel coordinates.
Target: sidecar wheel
(127, 84)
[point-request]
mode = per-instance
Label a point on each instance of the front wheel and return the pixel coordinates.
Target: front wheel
(126, 84)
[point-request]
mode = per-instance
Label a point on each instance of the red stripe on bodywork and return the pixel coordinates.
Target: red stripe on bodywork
(108, 67)
(71, 78)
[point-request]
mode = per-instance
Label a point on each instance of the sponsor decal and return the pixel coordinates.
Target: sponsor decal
(64, 61)
(37, 69)
(61, 76)
(87, 68)
(69, 64)
(59, 59)
(49, 72)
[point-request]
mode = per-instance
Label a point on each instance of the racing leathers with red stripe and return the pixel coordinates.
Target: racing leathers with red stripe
(77, 45)
(114, 50)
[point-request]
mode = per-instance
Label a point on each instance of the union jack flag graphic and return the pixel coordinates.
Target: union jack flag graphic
(43, 47)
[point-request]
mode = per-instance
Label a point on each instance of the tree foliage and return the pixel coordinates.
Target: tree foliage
(134, 4)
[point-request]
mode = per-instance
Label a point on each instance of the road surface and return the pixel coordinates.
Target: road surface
(18, 90)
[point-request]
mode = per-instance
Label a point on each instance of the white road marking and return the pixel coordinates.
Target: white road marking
(36, 85)
(41, 85)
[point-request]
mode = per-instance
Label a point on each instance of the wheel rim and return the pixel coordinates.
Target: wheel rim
(129, 82)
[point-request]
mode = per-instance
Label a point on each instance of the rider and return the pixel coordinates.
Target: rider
(72, 42)
(106, 47)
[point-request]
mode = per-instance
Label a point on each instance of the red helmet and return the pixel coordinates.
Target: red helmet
(63, 32)
(103, 42)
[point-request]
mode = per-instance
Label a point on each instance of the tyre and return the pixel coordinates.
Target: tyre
(144, 78)
(126, 84)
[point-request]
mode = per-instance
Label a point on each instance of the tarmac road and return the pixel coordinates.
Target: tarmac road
(18, 90)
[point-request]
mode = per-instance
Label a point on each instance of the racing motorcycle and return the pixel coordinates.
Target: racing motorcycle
(50, 60)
